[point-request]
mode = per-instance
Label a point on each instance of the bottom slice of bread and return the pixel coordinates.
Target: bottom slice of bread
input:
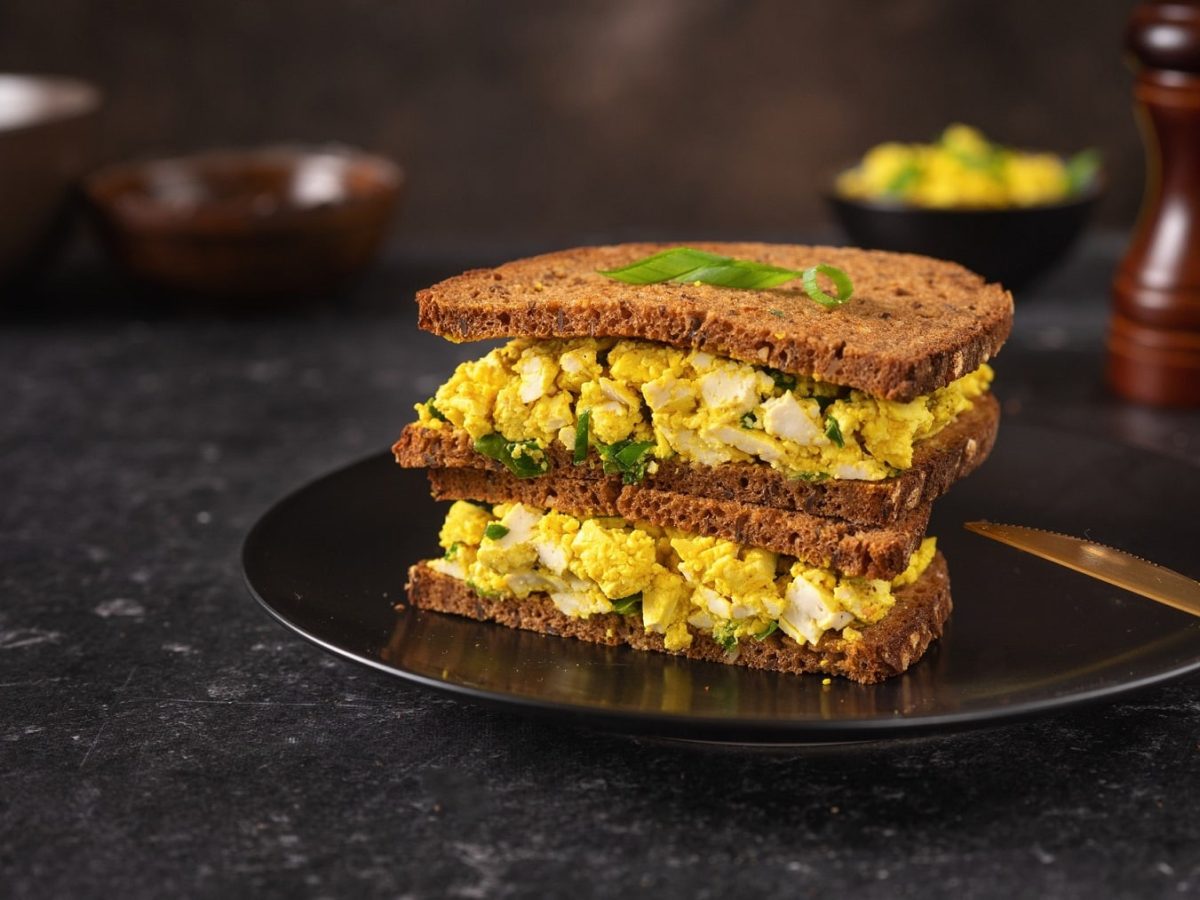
(885, 649)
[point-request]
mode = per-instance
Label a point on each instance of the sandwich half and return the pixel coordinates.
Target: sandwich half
(613, 581)
(688, 411)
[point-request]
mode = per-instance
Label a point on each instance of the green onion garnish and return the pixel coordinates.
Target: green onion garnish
(628, 605)
(627, 458)
(452, 551)
(771, 628)
(686, 265)
(525, 459)
(833, 431)
(903, 180)
(749, 420)
(725, 634)
(841, 282)
(1082, 169)
(783, 380)
(811, 477)
(583, 430)
(490, 595)
(495, 531)
(434, 411)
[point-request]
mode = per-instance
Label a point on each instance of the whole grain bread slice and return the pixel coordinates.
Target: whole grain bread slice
(914, 323)
(938, 462)
(887, 648)
(854, 550)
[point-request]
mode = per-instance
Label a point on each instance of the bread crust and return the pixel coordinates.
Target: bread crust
(887, 648)
(938, 462)
(854, 550)
(914, 324)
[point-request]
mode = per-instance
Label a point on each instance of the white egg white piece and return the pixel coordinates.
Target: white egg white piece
(730, 388)
(786, 417)
(857, 471)
(668, 394)
(748, 441)
(808, 609)
(689, 443)
(448, 567)
(552, 555)
(573, 603)
(573, 362)
(719, 606)
(520, 522)
(537, 377)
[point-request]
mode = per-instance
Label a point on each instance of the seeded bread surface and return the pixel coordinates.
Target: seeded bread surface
(938, 462)
(913, 325)
(854, 550)
(887, 648)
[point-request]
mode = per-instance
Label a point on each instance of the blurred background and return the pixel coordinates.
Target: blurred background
(550, 123)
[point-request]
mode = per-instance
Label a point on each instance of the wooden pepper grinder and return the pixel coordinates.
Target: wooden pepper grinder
(1154, 335)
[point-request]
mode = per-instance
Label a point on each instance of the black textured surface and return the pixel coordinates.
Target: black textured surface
(160, 735)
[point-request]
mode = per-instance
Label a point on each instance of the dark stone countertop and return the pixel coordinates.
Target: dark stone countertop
(160, 736)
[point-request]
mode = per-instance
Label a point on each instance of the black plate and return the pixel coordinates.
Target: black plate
(1026, 636)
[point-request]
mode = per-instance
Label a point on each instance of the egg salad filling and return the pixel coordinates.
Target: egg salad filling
(633, 402)
(676, 583)
(965, 169)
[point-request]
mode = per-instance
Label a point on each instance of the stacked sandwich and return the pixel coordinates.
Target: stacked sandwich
(691, 454)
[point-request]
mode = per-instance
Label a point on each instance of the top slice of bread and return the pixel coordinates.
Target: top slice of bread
(913, 325)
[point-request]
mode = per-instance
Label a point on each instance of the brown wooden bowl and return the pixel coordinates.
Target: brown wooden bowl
(46, 136)
(239, 224)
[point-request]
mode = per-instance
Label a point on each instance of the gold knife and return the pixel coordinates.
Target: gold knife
(1105, 563)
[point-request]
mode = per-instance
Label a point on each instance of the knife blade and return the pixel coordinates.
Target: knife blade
(1105, 563)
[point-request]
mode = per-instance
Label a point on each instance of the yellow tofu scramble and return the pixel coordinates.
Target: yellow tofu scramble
(674, 581)
(963, 168)
(633, 402)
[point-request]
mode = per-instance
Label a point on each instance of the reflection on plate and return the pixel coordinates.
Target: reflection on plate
(1026, 636)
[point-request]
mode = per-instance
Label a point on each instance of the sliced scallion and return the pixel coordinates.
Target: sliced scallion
(525, 459)
(686, 265)
(628, 605)
(583, 430)
(833, 431)
(843, 287)
(627, 458)
(771, 628)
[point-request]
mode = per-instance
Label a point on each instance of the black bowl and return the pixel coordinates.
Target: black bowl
(1012, 245)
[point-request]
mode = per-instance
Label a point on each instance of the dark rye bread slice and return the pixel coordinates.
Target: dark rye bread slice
(913, 325)
(886, 648)
(854, 550)
(937, 463)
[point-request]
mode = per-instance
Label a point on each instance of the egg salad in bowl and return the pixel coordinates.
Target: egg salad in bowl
(634, 402)
(674, 583)
(964, 169)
